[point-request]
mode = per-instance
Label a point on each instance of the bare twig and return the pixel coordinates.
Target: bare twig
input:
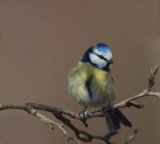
(32, 111)
(81, 134)
(131, 137)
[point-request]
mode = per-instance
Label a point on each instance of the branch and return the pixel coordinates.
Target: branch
(131, 137)
(59, 113)
(28, 108)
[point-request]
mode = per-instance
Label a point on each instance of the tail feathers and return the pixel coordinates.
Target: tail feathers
(113, 120)
(113, 123)
(122, 118)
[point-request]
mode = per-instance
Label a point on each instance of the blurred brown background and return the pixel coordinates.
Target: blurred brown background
(41, 40)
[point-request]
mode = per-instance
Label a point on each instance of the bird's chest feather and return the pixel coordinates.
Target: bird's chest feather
(91, 86)
(102, 87)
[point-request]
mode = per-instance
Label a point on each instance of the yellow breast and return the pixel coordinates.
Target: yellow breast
(102, 88)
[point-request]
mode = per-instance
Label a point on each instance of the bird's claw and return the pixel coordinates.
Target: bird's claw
(82, 113)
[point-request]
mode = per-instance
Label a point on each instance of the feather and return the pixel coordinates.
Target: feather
(113, 120)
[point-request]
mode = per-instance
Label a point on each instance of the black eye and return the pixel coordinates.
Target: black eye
(100, 56)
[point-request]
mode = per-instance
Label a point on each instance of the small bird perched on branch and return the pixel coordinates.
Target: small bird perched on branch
(91, 84)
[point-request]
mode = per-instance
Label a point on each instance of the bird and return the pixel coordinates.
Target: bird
(91, 84)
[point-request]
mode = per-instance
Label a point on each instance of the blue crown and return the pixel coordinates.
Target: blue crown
(100, 46)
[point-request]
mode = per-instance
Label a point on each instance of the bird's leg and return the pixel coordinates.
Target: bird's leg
(111, 109)
(108, 109)
(81, 114)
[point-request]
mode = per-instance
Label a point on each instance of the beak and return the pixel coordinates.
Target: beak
(107, 65)
(110, 61)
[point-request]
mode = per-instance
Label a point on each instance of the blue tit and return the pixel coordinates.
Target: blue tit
(91, 84)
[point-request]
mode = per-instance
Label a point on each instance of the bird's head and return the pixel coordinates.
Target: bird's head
(99, 55)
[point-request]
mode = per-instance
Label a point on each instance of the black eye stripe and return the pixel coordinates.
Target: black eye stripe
(101, 57)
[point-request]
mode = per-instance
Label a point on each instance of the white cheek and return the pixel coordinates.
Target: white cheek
(97, 51)
(108, 55)
(100, 63)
